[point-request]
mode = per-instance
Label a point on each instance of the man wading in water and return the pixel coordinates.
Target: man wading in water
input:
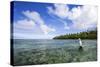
(80, 47)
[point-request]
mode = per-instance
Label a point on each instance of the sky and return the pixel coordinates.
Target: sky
(32, 20)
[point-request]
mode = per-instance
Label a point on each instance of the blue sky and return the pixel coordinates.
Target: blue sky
(33, 20)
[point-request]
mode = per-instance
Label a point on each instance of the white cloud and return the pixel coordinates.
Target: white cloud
(75, 13)
(61, 10)
(33, 26)
(26, 27)
(46, 29)
(24, 24)
(82, 17)
(35, 16)
(64, 22)
(32, 36)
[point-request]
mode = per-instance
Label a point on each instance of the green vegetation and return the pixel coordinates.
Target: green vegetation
(83, 35)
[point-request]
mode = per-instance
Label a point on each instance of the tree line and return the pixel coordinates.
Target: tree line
(83, 35)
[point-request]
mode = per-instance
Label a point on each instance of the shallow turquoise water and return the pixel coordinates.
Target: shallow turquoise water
(45, 51)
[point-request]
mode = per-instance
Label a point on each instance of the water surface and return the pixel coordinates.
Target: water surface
(48, 51)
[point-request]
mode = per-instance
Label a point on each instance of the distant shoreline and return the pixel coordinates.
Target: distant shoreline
(53, 39)
(82, 35)
(75, 39)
